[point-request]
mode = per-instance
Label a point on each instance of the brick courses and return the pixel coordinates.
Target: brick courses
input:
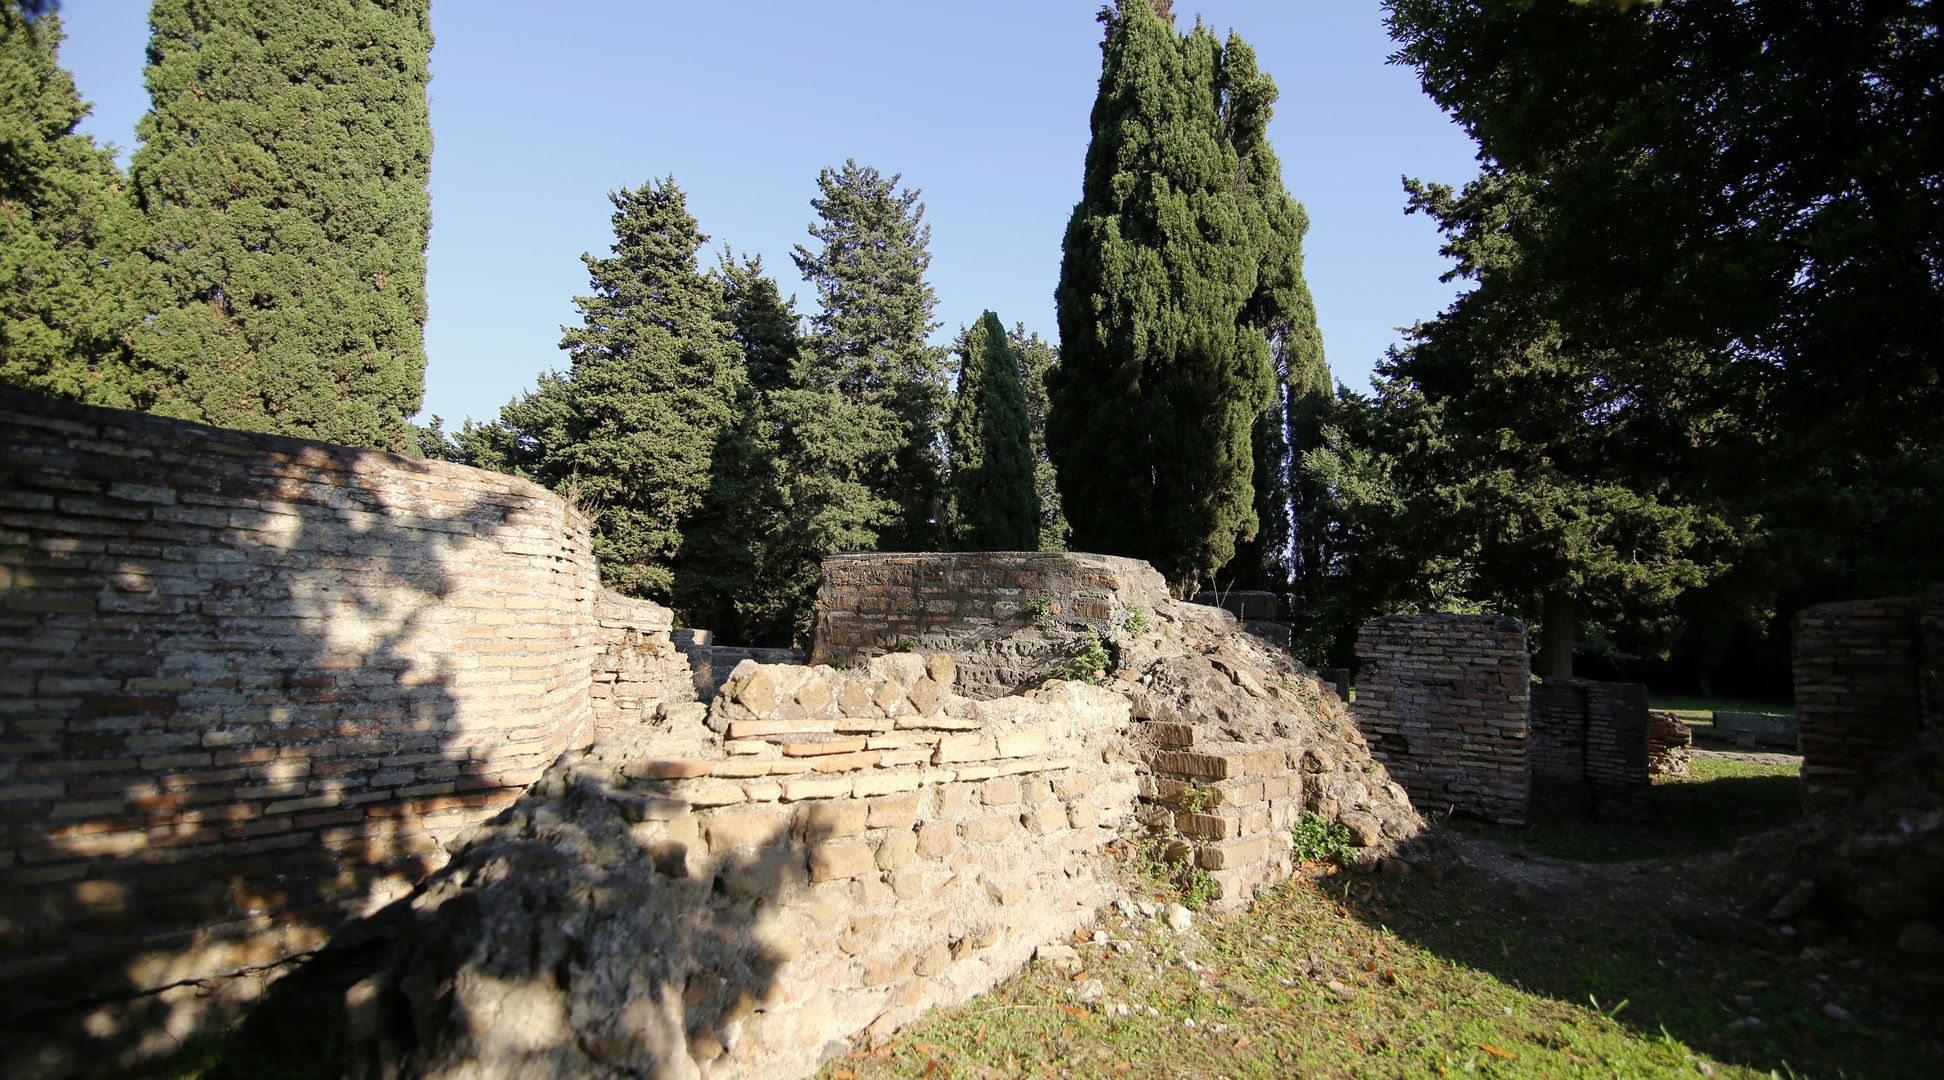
(1866, 687)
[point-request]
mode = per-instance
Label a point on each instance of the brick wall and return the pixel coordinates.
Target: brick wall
(1866, 688)
(1442, 700)
(1588, 750)
(637, 663)
(248, 687)
(1007, 616)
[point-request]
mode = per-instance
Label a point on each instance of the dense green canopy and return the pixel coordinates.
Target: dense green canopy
(70, 278)
(994, 506)
(283, 175)
(1181, 258)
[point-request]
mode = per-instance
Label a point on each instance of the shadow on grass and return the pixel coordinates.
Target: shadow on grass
(1605, 936)
(1721, 803)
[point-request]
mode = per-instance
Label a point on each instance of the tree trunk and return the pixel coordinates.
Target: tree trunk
(1556, 635)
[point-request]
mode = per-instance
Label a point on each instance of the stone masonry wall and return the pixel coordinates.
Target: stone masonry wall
(249, 686)
(834, 852)
(1005, 615)
(1442, 700)
(1588, 750)
(638, 663)
(1866, 678)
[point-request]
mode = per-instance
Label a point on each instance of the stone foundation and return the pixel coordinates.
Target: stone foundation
(1442, 699)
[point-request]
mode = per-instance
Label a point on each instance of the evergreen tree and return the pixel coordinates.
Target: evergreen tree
(1036, 359)
(994, 504)
(69, 275)
(1182, 257)
(1733, 210)
(283, 177)
(867, 341)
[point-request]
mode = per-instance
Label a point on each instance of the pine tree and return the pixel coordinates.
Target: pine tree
(631, 431)
(1182, 255)
(867, 341)
(283, 177)
(994, 505)
(1036, 359)
(69, 272)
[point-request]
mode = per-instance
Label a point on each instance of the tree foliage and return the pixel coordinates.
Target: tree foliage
(630, 431)
(994, 505)
(282, 175)
(70, 278)
(1037, 358)
(1729, 220)
(1182, 255)
(867, 340)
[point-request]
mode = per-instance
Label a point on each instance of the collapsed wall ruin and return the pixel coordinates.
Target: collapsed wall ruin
(1869, 685)
(254, 690)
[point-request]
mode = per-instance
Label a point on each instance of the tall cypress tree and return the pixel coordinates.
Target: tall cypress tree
(69, 285)
(283, 175)
(994, 504)
(1036, 359)
(1182, 256)
(867, 341)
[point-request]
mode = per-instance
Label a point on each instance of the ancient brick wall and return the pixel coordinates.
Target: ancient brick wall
(1007, 616)
(1866, 678)
(637, 663)
(249, 686)
(1442, 700)
(1588, 750)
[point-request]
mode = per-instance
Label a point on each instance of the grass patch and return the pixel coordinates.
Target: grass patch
(1366, 978)
(1720, 801)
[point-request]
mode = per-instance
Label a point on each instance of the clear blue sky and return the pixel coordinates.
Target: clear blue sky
(538, 110)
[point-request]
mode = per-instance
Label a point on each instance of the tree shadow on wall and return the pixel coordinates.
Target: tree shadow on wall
(266, 737)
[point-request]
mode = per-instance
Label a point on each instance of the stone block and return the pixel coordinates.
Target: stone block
(830, 862)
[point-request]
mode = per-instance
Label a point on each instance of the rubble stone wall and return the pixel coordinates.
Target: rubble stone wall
(1588, 750)
(835, 852)
(249, 686)
(1866, 688)
(1442, 700)
(1007, 616)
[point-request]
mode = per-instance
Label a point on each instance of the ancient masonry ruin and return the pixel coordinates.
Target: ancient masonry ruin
(1449, 705)
(1869, 685)
(260, 696)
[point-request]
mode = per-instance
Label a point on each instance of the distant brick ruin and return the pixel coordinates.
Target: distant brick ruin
(1869, 685)
(1449, 705)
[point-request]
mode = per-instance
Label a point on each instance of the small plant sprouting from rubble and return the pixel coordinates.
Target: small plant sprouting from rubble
(1318, 839)
(1090, 666)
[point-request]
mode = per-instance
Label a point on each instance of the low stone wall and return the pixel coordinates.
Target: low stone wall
(1866, 688)
(1007, 616)
(249, 688)
(1588, 750)
(637, 664)
(835, 853)
(1261, 613)
(1670, 745)
(1442, 700)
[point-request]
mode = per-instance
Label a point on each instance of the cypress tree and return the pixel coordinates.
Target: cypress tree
(1182, 256)
(867, 341)
(994, 504)
(68, 269)
(1036, 359)
(283, 176)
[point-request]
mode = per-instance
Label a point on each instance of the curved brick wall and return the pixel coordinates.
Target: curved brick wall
(248, 686)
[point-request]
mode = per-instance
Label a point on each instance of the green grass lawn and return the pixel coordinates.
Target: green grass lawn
(1356, 977)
